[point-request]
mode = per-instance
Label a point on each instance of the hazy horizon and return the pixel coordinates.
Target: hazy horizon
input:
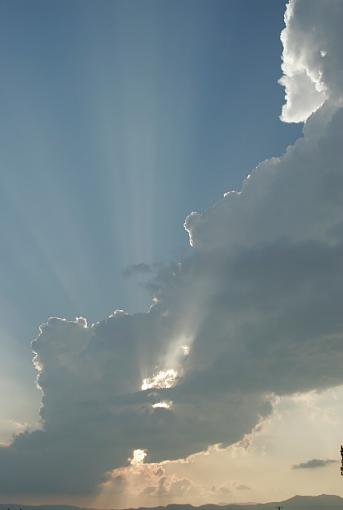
(296, 502)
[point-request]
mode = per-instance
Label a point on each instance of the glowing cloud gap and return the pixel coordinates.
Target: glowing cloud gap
(138, 457)
(163, 379)
(162, 405)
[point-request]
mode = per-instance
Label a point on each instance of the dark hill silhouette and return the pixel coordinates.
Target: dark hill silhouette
(323, 502)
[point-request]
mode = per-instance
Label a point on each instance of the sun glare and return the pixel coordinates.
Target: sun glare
(163, 405)
(185, 349)
(163, 379)
(138, 457)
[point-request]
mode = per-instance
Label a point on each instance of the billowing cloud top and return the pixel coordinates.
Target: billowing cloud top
(312, 44)
(255, 310)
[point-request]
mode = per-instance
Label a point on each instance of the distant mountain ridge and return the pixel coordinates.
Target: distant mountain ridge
(323, 502)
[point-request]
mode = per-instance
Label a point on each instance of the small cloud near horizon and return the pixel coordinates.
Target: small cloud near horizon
(314, 463)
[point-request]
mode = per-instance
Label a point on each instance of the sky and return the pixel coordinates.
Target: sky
(117, 121)
(175, 208)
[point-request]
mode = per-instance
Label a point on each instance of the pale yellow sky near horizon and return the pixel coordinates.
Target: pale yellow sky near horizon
(302, 427)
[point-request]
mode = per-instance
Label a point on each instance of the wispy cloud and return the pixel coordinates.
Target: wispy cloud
(314, 463)
(137, 269)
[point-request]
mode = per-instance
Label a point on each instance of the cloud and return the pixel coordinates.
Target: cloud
(243, 487)
(169, 488)
(10, 428)
(137, 269)
(314, 463)
(254, 310)
(312, 48)
(147, 483)
(221, 491)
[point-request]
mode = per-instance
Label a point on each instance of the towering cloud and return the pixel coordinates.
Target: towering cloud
(312, 45)
(255, 310)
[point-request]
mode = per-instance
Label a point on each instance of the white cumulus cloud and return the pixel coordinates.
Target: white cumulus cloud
(312, 47)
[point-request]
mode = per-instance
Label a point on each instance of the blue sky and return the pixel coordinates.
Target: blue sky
(119, 118)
